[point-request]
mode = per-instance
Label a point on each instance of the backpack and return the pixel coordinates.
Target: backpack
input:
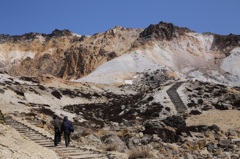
(71, 128)
(57, 125)
(57, 129)
(68, 126)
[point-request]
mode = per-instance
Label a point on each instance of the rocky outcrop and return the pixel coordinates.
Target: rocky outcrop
(32, 36)
(225, 43)
(203, 96)
(57, 33)
(163, 31)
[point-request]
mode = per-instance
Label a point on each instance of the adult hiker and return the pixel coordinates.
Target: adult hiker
(57, 129)
(67, 128)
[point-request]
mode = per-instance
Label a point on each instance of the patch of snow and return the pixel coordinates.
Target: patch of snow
(77, 35)
(128, 82)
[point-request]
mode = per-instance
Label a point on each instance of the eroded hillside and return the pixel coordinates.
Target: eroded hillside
(66, 55)
(62, 54)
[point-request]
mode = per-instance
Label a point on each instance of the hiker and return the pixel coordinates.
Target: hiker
(67, 128)
(57, 129)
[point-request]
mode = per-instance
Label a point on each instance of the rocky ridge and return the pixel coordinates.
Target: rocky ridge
(62, 53)
(66, 55)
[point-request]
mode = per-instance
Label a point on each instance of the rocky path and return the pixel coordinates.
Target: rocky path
(71, 152)
(174, 96)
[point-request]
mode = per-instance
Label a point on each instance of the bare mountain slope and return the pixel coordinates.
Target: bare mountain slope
(187, 54)
(62, 54)
(119, 53)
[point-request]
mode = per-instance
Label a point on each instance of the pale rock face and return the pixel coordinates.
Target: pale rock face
(13, 56)
(189, 57)
(231, 65)
(40, 38)
(127, 65)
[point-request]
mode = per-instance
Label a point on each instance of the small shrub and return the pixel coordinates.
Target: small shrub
(112, 147)
(124, 133)
(140, 152)
(56, 94)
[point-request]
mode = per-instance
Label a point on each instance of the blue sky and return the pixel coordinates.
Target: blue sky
(87, 17)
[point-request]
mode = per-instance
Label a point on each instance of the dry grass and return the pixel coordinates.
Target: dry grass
(233, 91)
(87, 132)
(112, 147)
(227, 119)
(124, 133)
(141, 152)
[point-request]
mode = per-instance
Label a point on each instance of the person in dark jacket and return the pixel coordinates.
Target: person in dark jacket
(57, 129)
(67, 128)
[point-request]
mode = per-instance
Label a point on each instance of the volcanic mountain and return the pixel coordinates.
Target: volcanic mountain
(160, 92)
(119, 53)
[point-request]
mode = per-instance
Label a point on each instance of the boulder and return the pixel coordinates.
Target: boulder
(188, 156)
(215, 128)
(149, 124)
(211, 147)
(175, 121)
(114, 140)
(146, 139)
(94, 139)
(133, 142)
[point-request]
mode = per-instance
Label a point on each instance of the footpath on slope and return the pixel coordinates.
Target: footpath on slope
(175, 98)
(71, 152)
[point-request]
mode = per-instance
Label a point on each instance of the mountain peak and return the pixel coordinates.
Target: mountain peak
(118, 27)
(163, 31)
(64, 32)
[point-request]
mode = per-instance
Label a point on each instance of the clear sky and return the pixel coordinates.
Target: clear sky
(87, 17)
